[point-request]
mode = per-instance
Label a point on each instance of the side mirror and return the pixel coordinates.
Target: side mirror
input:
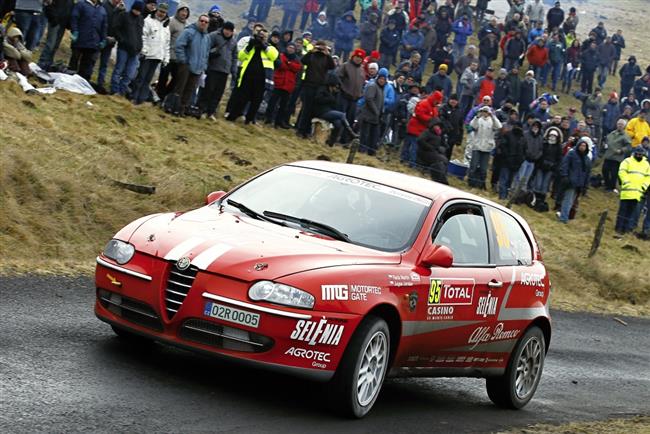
(436, 255)
(215, 195)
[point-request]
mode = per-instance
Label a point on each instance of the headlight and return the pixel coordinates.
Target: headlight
(281, 294)
(119, 251)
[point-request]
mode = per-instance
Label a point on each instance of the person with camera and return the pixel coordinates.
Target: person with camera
(318, 63)
(257, 57)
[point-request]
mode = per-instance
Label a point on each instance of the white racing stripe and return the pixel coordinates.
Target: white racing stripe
(210, 255)
(179, 250)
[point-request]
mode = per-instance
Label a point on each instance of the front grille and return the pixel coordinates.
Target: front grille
(179, 283)
(220, 336)
(129, 309)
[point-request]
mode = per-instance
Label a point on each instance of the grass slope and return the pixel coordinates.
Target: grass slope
(59, 206)
(639, 424)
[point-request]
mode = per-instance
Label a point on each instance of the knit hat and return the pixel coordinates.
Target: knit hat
(443, 67)
(358, 53)
(373, 65)
(503, 71)
(138, 5)
(383, 72)
(163, 7)
(229, 25)
(375, 54)
(215, 9)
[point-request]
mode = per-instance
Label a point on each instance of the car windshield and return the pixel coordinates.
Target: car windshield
(343, 207)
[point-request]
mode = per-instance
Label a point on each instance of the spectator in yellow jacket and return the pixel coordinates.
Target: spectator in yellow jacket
(634, 174)
(638, 128)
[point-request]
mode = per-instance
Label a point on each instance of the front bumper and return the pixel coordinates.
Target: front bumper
(294, 341)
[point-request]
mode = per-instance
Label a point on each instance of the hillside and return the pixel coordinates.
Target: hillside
(59, 205)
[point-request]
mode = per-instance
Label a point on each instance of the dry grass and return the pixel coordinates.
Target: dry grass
(636, 425)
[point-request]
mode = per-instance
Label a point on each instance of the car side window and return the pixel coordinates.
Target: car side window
(511, 243)
(463, 230)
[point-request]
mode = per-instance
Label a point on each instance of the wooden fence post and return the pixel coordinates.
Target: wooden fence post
(354, 147)
(598, 234)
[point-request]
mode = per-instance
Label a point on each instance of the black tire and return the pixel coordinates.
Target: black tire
(344, 391)
(130, 337)
(503, 390)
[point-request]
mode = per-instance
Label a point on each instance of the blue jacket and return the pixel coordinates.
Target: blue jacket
(90, 23)
(576, 168)
(345, 32)
(193, 48)
(611, 113)
(534, 34)
(390, 98)
(320, 31)
(462, 32)
(415, 39)
(389, 41)
(438, 80)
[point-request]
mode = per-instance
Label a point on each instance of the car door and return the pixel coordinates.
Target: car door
(459, 299)
(524, 281)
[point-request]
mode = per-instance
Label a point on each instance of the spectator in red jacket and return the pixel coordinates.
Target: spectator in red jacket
(424, 111)
(537, 56)
(486, 85)
(284, 82)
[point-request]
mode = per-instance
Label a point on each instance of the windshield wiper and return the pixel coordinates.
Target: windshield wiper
(249, 212)
(310, 224)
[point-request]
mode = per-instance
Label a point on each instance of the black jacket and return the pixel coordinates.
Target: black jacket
(58, 12)
(452, 123)
(511, 149)
(128, 32)
(318, 64)
(324, 101)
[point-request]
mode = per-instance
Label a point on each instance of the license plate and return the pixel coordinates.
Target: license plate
(230, 314)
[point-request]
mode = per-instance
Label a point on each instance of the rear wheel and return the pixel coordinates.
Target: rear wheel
(518, 385)
(361, 373)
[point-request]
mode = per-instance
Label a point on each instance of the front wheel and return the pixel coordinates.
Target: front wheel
(361, 373)
(518, 385)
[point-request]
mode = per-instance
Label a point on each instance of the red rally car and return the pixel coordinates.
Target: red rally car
(339, 273)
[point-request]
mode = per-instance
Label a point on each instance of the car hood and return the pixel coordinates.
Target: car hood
(245, 248)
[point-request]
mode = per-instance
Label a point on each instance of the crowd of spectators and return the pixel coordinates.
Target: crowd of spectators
(380, 71)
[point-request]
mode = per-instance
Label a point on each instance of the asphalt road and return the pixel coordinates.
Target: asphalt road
(62, 370)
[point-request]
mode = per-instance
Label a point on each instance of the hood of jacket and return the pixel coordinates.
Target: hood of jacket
(435, 98)
(183, 5)
(348, 14)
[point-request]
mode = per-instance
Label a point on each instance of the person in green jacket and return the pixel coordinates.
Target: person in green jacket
(618, 145)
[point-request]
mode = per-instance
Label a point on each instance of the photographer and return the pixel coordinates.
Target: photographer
(255, 58)
(317, 63)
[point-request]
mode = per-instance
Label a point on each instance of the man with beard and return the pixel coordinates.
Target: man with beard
(222, 62)
(256, 58)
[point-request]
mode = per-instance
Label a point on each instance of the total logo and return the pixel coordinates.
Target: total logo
(487, 306)
(451, 291)
(317, 332)
(319, 359)
(345, 292)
